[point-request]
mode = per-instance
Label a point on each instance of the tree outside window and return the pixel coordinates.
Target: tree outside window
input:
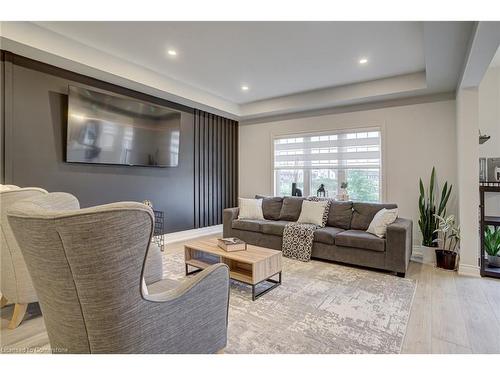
(363, 185)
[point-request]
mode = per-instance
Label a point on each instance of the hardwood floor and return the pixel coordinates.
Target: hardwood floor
(450, 314)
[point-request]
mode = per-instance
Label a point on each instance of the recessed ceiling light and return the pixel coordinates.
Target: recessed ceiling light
(245, 88)
(172, 52)
(363, 61)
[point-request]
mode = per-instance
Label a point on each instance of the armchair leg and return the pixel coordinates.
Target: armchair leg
(18, 315)
(220, 351)
(3, 302)
(401, 274)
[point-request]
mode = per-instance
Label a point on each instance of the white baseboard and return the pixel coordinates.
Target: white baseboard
(426, 255)
(192, 233)
(468, 270)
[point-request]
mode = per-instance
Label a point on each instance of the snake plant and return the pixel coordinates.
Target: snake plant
(492, 241)
(428, 223)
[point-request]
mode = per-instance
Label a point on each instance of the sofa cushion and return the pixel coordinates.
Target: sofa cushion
(363, 213)
(340, 215)
(274, 227)
(360, 239)
(291, 208)
(247, 224)
(162, 286)
(271, 207)
(326, 235)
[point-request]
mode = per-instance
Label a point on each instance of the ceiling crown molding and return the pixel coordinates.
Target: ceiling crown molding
(336, 96)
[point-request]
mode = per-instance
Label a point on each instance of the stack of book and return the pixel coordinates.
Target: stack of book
(231, 244)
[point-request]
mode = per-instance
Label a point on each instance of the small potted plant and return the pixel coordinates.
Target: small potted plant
(449, 238)
(343, 196)
(492, 246)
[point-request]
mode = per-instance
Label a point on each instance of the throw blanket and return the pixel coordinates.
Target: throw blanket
(298, 237)
(298, 241)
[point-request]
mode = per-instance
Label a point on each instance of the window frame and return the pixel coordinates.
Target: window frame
(306, 171)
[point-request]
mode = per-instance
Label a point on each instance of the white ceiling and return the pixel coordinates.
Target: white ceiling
(272, 58)
(289, 66)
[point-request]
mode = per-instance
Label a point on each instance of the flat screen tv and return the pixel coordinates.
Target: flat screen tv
(105, 128)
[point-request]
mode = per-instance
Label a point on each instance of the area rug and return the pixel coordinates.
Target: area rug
(320, 308)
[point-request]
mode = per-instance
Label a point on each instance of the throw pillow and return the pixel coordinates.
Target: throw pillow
(327, 209)
(313, 212)
(381, 220)
(250, 209)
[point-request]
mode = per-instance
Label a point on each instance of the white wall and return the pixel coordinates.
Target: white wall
(416, 137)
(489, 123)
(468, 178)
(489, 112)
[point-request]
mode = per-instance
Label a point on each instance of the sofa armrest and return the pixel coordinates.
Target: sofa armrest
(229, 215)
(399, 245)
(193, 317)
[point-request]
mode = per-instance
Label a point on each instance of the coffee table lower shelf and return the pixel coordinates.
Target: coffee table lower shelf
(240, 277)
(254, 266)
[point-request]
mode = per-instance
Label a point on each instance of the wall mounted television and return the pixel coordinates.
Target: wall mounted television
(105, 128)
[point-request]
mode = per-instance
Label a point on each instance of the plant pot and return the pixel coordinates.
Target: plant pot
(494, 261)
(446, 259)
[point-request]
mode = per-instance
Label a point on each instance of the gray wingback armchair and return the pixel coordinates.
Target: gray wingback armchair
(15, 281)
(87, 267)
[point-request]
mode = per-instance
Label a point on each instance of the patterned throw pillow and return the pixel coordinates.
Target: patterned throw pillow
(327, 208)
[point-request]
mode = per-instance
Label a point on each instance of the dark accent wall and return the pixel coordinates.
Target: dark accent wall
(215, 167)
(34, 113)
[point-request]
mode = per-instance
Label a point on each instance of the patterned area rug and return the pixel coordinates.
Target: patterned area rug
(320, 308)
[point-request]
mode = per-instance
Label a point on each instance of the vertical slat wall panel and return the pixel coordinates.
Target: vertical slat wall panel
(205, 170)
(228, 164)
(214, 171)
(225, 163)
(196, 173)
(230, 160)
(215, 167)
(235, 161)
(219, 139)
(209, 169)
(217, 172)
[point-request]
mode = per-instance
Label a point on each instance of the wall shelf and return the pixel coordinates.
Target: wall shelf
(494, 221)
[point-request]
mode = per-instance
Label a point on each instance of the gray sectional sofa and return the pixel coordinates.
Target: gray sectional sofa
(344, 239)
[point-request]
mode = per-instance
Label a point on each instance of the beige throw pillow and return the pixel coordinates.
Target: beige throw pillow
(381, 220)
(312, 212)
(250, 209)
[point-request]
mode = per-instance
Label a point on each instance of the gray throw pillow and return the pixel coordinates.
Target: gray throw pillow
(271, 207)
(290, 211)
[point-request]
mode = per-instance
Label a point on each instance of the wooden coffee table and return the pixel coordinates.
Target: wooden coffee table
(252, 266)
